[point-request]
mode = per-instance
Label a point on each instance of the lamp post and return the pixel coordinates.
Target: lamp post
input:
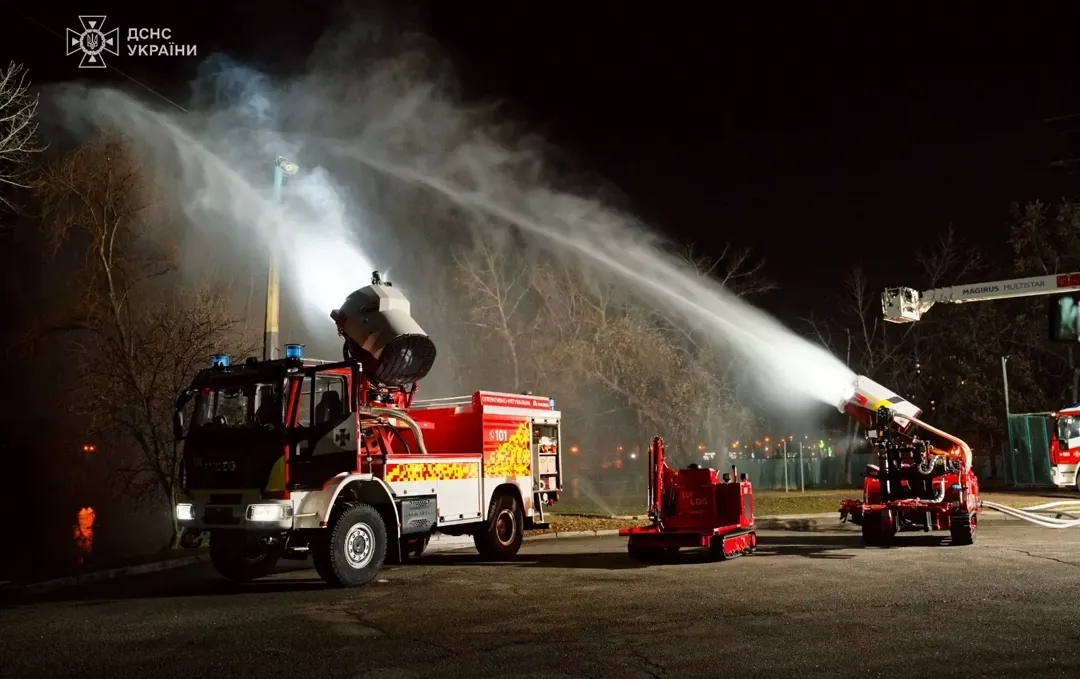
(282, 167)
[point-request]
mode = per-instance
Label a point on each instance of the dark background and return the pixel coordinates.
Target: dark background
(822, 136)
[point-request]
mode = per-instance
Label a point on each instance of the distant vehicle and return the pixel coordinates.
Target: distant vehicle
(1065, 447)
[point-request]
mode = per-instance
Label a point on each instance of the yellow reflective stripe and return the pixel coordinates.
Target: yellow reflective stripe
(277, 476)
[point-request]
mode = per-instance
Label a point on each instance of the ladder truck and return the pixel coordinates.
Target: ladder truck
(908, 305)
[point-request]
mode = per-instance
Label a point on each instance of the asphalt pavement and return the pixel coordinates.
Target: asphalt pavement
(805, 605)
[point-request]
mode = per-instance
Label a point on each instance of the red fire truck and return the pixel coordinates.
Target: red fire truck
(294, 457)
(1065, 447)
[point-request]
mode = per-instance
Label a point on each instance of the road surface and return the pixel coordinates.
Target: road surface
(806, 605)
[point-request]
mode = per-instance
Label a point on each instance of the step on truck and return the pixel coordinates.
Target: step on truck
(290, 458)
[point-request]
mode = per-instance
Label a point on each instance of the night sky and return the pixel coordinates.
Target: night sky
(821, 137)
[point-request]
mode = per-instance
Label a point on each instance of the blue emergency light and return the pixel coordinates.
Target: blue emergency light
(551, 402)
(219, 361)
(294, 351)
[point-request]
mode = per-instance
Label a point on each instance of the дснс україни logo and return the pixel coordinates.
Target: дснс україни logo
(93, 41)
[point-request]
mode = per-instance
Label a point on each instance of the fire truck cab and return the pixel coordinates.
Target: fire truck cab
(1065, 447)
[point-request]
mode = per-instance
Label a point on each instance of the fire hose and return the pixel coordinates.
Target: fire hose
(1034, 514)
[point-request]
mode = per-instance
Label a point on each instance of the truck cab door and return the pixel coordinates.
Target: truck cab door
(324, 438)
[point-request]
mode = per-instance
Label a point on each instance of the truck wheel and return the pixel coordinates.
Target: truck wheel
(501, 538)
(354, 549)
(872, 535)
(962, 528)
(237, 558)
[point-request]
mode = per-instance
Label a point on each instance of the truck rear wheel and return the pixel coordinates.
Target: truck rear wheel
(353, 549)
(502, 534)
(236, 557)
(875, 533)
(962, 528)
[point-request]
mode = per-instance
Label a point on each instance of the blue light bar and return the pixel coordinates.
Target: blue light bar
(219, 361)
(551, 402)
(294, 351)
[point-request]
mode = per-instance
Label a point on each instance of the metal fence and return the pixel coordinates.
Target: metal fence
(825, 473)
(1025, 462)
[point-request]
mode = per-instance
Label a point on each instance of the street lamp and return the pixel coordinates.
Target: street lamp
(282, 167)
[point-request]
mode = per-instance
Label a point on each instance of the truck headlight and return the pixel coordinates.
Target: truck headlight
(185, 512)
(268, 512)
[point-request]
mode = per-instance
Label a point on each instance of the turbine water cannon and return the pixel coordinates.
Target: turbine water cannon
(380, 332)
(867, 397)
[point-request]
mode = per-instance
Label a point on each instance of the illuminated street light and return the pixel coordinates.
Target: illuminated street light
(287, 166)
(282, 167)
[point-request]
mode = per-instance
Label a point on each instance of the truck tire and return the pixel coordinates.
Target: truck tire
(353, 549)
(237, 558)
(503, 533)
(962, 528)
(873, 534)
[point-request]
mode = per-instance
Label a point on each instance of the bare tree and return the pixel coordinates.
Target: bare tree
(18, 131)
(606, 356)
(136, 341)
(1045, 240)
(496, 280)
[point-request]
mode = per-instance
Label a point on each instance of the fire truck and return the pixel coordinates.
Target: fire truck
(290, 458)
(1065, 447)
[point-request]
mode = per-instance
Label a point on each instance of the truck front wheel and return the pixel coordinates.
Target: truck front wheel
(354, 548)
(501, 536)
(238, 558)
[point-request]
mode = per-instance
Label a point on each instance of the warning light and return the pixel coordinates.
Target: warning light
(219, 361)
(294, 351)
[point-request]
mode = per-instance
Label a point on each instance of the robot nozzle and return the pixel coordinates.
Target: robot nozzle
(867, 397)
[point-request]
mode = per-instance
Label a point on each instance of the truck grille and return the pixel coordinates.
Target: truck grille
(220, 516)
(225, 499)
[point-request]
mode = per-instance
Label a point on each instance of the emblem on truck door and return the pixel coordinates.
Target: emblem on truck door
(342, 437)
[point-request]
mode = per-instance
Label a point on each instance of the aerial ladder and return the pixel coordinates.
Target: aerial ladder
(907, 305)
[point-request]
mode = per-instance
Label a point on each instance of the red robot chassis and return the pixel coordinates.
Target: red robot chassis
(914, 486)
(693, 507)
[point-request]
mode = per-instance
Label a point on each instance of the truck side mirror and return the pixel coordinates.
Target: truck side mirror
(178, 425)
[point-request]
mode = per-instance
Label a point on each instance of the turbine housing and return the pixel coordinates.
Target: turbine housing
(380, 332)
(867, 396)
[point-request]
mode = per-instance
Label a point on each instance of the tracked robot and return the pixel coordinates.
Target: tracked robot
(922, 479)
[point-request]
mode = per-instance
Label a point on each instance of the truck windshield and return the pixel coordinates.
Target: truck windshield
(1067, 428)
(257, 404)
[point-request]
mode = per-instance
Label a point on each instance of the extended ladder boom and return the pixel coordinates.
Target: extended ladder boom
(907, 305)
